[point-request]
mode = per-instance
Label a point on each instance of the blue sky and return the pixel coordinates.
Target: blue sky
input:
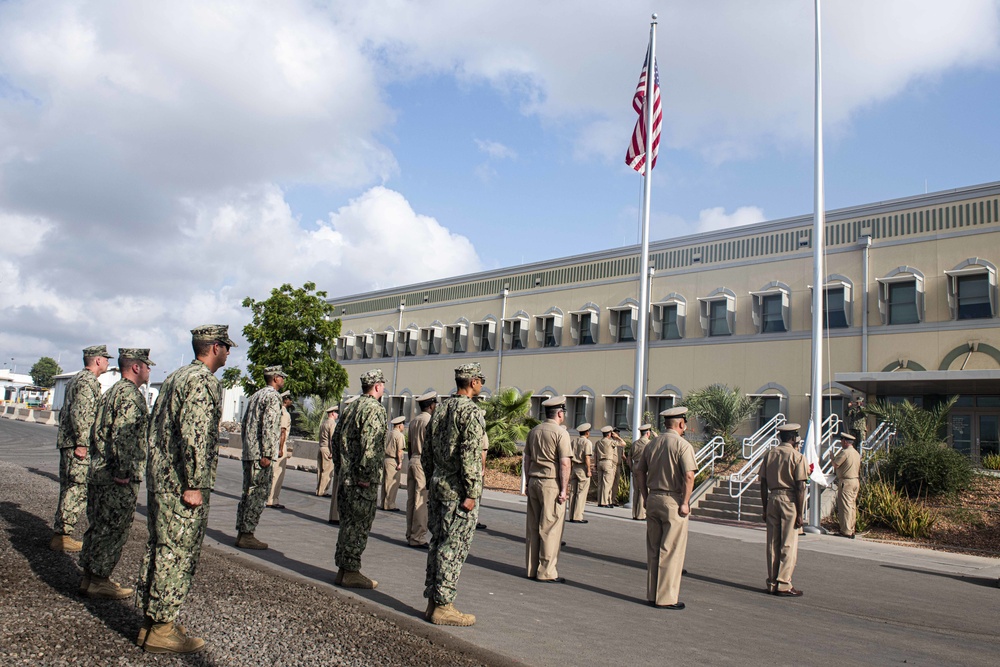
(159, 162)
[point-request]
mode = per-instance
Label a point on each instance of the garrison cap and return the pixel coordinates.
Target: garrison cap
(371, 378)
(646, 427)
(607, 429)
(555, 402)
(679, 411)
(427, 397)
(96, 351)
(398, 420)
(585, 426)
(274, 371)
(286, 394)
(332, 408)
(847, 438)
(469, 372)
(790, 426)
(137, 353)
(213, 333)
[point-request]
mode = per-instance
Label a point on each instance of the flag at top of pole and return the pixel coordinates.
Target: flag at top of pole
(635, 157)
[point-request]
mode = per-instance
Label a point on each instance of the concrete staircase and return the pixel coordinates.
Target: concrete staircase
(717, 504)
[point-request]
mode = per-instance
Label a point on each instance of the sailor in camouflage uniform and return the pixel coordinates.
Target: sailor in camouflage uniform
(260, 431)
(76, 419)
(183, 455)
(361, 434)
(453, 467)
(117, 465)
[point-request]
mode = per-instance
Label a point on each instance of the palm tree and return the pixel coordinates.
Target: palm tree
(914, 424)
(309, 415)
(721, 410)
(507, 420)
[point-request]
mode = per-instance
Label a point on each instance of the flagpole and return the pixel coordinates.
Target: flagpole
(819, 280)
(639, 388)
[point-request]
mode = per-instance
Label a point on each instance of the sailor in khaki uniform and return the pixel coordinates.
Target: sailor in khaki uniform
(638, 503)
(416, 481)
(284, 452)
(847, 465)
(338, 450)
(579, 480)
(783, 476)
(393, 463)
(324, 454)
(664, 474)
(606, 452)
(547, 457)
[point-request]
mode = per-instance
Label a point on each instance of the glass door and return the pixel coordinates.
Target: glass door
(988, 435)
(960, 425)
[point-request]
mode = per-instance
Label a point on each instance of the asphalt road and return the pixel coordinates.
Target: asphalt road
(864, 603)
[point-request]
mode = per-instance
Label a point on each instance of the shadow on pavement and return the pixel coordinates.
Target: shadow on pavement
(44, 473)
(989, 582)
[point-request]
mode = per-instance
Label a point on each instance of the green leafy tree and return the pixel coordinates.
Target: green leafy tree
(309, 415)
(507, 420)
(722, 410)
(231, 377)
(294, 327)
(44, 371)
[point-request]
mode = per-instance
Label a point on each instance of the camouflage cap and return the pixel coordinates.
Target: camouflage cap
(274, 371)
(469, 372)
(96, 351)
(372, 377)
(137, 353)
(213, 333)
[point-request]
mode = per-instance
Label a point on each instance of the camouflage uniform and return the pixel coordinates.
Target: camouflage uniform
(183, 455)
(361, 435)
(117, 451)
(453, 466)
(76, 419)
(260, 440)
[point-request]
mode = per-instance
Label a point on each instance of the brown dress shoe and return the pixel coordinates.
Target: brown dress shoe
(790, 593)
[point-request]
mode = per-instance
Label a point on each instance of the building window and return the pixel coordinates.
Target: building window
(515, 332)
(457, 337)
(669, 330)
(771, 308)
(972, 290)
(623, 319)
(366, 346)
(718, 323)
(537, 411)
(484, 335)
(548, 328)
(430, 339)
(618, 411)
(835, 309)
(394, 405)
(384, 343)
(718, 312)
(669, 316)
(345, 347)
(770, 405)
(578, 407)
(656, 405)
(771, 320)
(902, 303)
(834, 404)
(408, 342)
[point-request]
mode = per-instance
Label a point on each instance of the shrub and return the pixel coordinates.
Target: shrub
(930, 468)
(880, 503)
(991, 461)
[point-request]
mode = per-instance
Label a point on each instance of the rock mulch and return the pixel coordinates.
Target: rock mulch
(248, 616)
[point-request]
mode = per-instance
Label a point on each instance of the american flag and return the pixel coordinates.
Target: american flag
(636, 155)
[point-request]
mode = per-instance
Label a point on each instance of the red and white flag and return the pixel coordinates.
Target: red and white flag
(636, 155)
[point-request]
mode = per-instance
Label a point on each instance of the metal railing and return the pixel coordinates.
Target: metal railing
(710, 452)
(763, 435)
(744, 478)
(879, 439)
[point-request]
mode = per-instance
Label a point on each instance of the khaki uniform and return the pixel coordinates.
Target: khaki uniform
(281, 462)
(665, 463)
(416, 483)
(579, 476)
(606, 452)
(324, 457)
(394, 443)
(638, 504)
(781, 469)
(847, 464)
(547, 445)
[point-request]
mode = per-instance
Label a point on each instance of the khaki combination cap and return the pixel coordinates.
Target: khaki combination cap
(372, 377)
(137, 353)
(469, 372)
(96, 351)
(275, 371)
(679, 411)
(585, 426)
(847, 437)
(607, 429)
(646, 427)
(429, 396)
(213, 333)
(286, 394)
(350, 399)
(332, 408)
(398, 420)
(555, 402)
(790, 426)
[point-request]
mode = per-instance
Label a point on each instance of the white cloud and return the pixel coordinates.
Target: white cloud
(496, 150)
(711, 219)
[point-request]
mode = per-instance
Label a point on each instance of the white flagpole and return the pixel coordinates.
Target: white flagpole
(819, 280)
(639, 388)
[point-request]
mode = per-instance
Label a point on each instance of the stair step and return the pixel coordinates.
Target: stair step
(751, 517)
(730, 506)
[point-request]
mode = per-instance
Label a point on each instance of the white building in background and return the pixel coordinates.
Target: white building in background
(10, 382)
(60, 382)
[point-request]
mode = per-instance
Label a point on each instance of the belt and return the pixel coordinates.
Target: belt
(780, 491)
(844, 479)
(661, 492)
(414, 457)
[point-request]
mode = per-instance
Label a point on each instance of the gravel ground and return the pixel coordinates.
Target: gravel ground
(247, 616)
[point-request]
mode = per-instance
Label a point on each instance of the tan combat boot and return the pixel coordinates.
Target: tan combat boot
(105, 589)
(339, 579)
(167, 638)
(65, 543)
(248, 541)
(448, 615)
(430, 609)
(147, 623)
(357, 580)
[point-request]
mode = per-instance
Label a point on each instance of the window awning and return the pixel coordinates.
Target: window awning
(923, 382)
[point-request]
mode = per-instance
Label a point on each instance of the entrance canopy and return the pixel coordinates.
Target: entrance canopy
(923, 382)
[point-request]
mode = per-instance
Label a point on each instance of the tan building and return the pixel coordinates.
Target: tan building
(911, 310)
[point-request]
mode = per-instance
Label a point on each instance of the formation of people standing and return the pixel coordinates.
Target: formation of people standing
(109, 443)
